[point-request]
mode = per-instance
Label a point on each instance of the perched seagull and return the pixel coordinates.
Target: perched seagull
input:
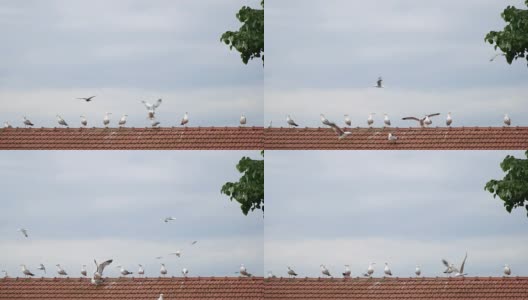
(154, 123)
(122, 121)
(379, 83)
(392, 137)
(24, 232)
(425, 121)
(449, 120)
(84, 122)
(387, 270)
(386, 120)
(106, 119)
(507, 120)
(270, 275)
(7, 125)
(325, 271)
(507, 270)
(27, 122)
(87, 99)
(5, 273)
(243, 120)
(167, 219)
(340, 133)
(60, 270)
(42, 268)
(141, 271)
(325, 121)
(185, 119)
(194, 243)
(185, 272)
(26, 271)
(291, 272)
(83, 271)
(370, 119)
(99, 268)
(177, 253)
(160, 297)
(124, 271)
(163, 270)
(152, 107)
(347, 271)
(348, 121)
(243, 271)
(61, 121)
(291, 122)
(460, 273)
(370, 270)
(417, 271)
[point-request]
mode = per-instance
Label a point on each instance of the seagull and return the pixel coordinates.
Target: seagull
(507, 120)
(425, 121)
(449, 120)
(460, 273)
(122, 121)
(84, 122)
(387, 270)
(185, 119)
(392, 137)
(160, 297)
(87, 99)
(26, 271)
(154, 123)
(386, 120)
(83, 271)
(325, 121)
(340, 133)
(60, 270)
(243, 120)
(507, 270)
(24, 232)
(291, 272)
(291, 122)
(270, 275)
(167, 219)
(106, 119)
(98, 274)
(370, 119)
(347, 271)
(124, 271)
(243, 271)
(61, 121)
(152, 107)
(325, 271)
(185, 272)
(163, 270)
(7, 125)
(370, 270)
(379, 83)
(418, 271)
(42, 268)
(177, 253)
(348, 121)
(450, 268)
(141, 271)
(27, 122)
(194, 243)
(5, 273)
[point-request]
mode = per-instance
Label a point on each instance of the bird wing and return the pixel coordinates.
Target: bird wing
(155, 105)
(463, 263)
(445, 262)
(336, 128)
(432, 115)
(100, 268)
(411, 118)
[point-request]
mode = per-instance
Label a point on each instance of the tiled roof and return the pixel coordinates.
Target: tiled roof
(177, 138)
(132, 288)
(439, 138)
(513, 288)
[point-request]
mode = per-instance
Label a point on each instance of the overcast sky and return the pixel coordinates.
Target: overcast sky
(404, 208)
(325, 56)
(82, 205)
(125, 51)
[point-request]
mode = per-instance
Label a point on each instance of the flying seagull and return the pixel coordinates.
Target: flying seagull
(460, 273)
(507, 270)
(386, 120)
(141, 271)
(84, 122)
(243, 120)
(325, 271)
(348, 121)
(387, 270)
(26, 271)
(340, 133)
(7, 125)
(177, 253)
(243, 271)
(451, 267)
(291, 122)
(449, 120)
(167, 219)
(185, 272)
(370, 119)
(417, 271)
(163, 270)
(83, 271)
(370, 270)
(507, 120)
(185, 119)
(42, 268)
(123, 271)
(61, 121)
(347, 271)
(106, 119)
(88, 99)
(27, 122)
(379, 83)
(152, 107)
(60, 270)
(99, 268)
(425, 121)
(325, 121)
(24, 232)
(122, 121)
(392, 138)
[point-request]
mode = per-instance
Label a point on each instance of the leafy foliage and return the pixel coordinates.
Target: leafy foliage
(513, 39)
(513, 188)
(249, 39)
(249, 190)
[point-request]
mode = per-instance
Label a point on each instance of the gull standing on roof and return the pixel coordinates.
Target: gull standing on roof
(87, 99)
(141, 271)
(449, 120)
(42, 268)
(243, 271)
(26, 271)
(24, 232)
(386, 120)
(379, 83)
(122, 121)
(160, 297)
(185, 119)
(242, 120)
(83, 271)
(61, 121)
(27, 122)
(185, 272)
(60, 270)
(123, 271)
(84, 122)
(418, 271)
(291, 272)
(370, 119)
(425, 121)
(507, 270)
(177, 253)
(347, 271)
(167, 219)
(348, 122)
(7, 125)
(340, 133)
(387, 270)
(325, 271)
(370, 270)
(460, 273)
(163, 270)
(106, 119)
(291, 122)
(507, 120)
(392, 138)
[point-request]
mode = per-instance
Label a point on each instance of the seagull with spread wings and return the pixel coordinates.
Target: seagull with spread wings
(425, 121)
(87, 99)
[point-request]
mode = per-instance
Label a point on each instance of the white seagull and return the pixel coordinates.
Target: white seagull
(61, 121)
(347, 271)
(99, 268)
(60, 270)
(387, 270)
(163, 270)
(141, 271)
(348, 121)
(26, 271)
(460, 273)
(425, 121)
(370, 119)
(291, 122)
(340, 133)
(507, 270)
(152, 107)
(42, 268)
(386, 120)
(167, 219)
(370, 270)
(449, 120)
(185, 119)
(7, 125)
(27, 122)
(325, 121)
(122, 121)
(83, 271)
(450, 268)
(84, 122)
(185, 272)
(243, 271)
(123, 271)
(106, 119)
(392, 138)
(243, 120)
(24, 232)
(379, 83)
(291, 272)
(417, 271)
(325, 271)
(507, 120)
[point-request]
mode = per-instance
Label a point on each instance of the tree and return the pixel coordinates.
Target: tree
(513, 39)
(249, 190)
(249, 39)
(513, 188)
